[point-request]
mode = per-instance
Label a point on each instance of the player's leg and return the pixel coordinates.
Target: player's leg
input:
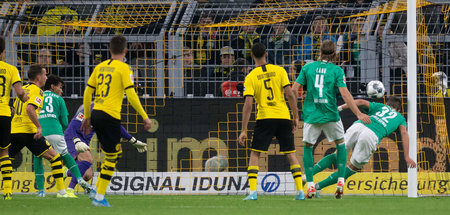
(262, 137)
(42, 148)
(17, 143)
(364, 143)
(333, 178)
(59, 144)
(84, 162)
(6, 169)
(350, 137)
(5, 161)
(108, 133)
(325, 163)
(334, 131)
(39, 175)
(252, 174)
(310, 134)
(285, 139)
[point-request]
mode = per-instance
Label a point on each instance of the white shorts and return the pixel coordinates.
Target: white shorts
(332, 130)
(363, 142)
(58, 143)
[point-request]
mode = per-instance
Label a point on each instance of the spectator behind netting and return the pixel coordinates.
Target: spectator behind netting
(205, 42)
(241, 69)
(235, 86)
(349, 51)
(243, 42)
(191, 70)
(44, 58)
(440, 80)
(280, 45)
(226, 63)
(58, 21)
(294, 71)
(310, 45)
(398, 55)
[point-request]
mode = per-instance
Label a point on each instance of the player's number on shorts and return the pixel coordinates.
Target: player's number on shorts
(49, 108)
(106, 80)
(266, 85)
(319, 84)
(385, 111)
(2, 85)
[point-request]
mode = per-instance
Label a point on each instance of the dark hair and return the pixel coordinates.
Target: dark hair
(328, 51)
(258, 50)
(298, 65)
(2, 44)
(52, 80)
(34, 71)
(118, 44)
(394, 102)
(241, 63)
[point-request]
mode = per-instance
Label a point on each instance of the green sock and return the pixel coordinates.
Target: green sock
(341, 159)
(39, 172)
(71, 165)
(308, 162)
(332, 179)
(324, 163)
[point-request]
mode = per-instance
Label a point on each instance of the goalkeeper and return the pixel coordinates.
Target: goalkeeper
(78, 146)
(363, 139)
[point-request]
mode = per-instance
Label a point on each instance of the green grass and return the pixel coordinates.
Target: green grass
(184, 205)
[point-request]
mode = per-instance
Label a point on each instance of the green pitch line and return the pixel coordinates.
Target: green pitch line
(184, 205)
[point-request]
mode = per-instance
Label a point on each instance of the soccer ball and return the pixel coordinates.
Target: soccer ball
(375, 89)
(216, 164)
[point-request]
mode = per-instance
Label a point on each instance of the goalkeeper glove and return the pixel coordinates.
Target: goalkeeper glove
(140, 146)
(80, 146)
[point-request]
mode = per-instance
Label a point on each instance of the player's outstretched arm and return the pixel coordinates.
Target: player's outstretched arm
(405, 141)
(20, 92)
(139, 145)
(133, 99)
(348, 98)
(295, 87)
(246, 111)
(292, 100)
(31, 111)
(87, 98)
(359, 102)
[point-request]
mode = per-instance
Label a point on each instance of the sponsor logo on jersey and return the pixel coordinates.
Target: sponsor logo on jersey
(80, 117)
(38, 100)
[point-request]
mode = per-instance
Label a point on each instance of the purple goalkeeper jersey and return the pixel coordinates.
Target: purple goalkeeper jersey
(74, 131)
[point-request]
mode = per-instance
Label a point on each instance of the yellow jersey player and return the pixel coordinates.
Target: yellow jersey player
(26, 131)
(268, 84)
(109, 81)
(9, 76)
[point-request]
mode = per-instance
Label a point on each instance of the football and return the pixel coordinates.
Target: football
(375, 89)
(216, 164)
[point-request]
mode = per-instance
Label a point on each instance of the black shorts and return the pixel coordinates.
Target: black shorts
(266, 129)
(5, 131)
(107, 129)
(20, 140)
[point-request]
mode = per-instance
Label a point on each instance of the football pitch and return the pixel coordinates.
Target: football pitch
(183, 205)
